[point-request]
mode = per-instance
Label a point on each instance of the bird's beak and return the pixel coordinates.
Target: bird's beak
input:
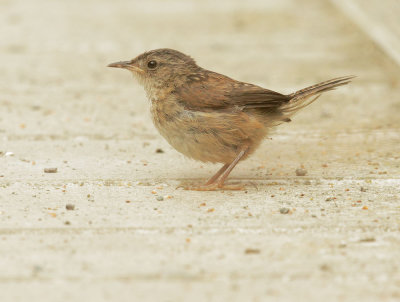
(127, 65)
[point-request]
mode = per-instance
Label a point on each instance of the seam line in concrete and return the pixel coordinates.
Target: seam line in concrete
(386, 40)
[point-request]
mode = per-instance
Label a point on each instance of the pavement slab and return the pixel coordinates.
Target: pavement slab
(114, 223)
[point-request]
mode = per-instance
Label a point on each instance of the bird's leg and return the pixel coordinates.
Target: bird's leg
(231, 166)
(217, 175)
(212, 185)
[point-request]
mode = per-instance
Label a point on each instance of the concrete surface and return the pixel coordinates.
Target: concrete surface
(61, 107)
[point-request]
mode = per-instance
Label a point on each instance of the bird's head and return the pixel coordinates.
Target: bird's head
(159, 68)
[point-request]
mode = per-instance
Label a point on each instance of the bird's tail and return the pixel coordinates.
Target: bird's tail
(306, 96)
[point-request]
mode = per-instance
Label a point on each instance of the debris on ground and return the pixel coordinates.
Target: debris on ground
(284, 210)
(252, 251)
(301, 172)
(50, 170)
(70, 207)
(368, 239)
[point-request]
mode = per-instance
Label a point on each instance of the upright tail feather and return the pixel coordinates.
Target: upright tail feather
(302, 98)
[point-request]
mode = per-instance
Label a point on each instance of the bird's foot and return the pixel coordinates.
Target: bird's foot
(215, 187)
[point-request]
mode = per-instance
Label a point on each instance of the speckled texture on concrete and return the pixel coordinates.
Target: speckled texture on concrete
(331, 235)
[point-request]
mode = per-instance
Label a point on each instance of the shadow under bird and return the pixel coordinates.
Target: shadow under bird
(210, 117)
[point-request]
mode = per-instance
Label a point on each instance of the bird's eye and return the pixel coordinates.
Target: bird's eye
(152, 64)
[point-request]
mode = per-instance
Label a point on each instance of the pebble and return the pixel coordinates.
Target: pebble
(160, 198)
(70, 207)
(368, 239)
(301, 172)
(159, 150)
(50, 170)
(284, 210)
(324, 267)
(252, 251)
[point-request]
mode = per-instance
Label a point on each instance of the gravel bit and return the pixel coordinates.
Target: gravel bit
(70, 207)
(50, 170)
(301, 172)
(252, 251)
(160, 198)
(368, 239)
(284, 210)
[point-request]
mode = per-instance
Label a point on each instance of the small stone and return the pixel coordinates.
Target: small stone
(252, 251)
(362, 189)
(368, 239)
(284, 210)
(160, 198)
(70, 207)
(324, 267)
(159, 150)
(9, 153)
(301, 172)
(67, 223)
(50, 170)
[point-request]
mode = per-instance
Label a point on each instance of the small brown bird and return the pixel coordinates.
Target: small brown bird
(210, 117)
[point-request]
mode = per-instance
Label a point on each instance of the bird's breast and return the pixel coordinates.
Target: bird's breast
(206, 136)
(169, 117)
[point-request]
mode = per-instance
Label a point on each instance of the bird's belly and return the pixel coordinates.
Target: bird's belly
(204, 136)
(199, 144)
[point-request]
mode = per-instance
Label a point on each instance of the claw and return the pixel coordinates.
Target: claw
(215, 187)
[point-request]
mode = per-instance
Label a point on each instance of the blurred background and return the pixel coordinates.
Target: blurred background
(54, 56)
(131, 235)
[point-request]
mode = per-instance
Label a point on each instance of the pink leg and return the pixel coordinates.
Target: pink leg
(211, 185)
(217, 175)
(231, 166)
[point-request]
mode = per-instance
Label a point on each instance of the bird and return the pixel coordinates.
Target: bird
(210, 117)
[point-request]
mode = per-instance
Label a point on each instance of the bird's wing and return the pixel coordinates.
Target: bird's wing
(213, 91)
